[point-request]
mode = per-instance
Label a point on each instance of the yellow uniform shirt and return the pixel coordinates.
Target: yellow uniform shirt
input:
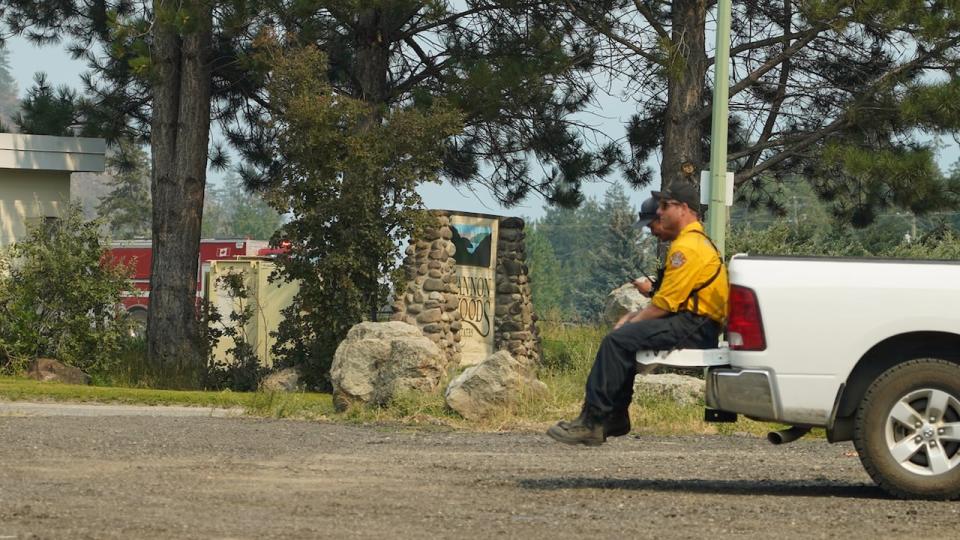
(691, 262)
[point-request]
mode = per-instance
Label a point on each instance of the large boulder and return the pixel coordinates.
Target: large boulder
(621, 301)
(683, 389)
(496, 382)
(50, 370)
(285, 380)
(379, 359)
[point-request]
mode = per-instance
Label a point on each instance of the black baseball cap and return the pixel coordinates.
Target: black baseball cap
(648, 212)
(680, 191)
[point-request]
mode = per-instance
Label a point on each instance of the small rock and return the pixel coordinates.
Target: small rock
(50, 370)
(497, 382)
(285, 380)
(621, 301)
(683, 389)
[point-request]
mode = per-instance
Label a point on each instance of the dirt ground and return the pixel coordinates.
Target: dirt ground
(142, 477)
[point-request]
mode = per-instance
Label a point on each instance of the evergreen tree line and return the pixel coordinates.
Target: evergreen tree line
(229, 210)
(577, 256)
(9, 91)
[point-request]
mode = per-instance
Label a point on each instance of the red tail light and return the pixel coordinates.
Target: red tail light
(744, 325)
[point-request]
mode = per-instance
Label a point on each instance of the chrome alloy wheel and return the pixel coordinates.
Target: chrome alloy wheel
(923, 432)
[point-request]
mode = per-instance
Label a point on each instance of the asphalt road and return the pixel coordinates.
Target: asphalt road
(203, 477)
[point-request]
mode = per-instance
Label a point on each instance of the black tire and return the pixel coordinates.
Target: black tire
(921, 460)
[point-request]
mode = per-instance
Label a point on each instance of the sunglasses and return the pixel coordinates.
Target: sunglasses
(663, 205)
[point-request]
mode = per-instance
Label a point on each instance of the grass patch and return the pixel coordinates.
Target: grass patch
(266, 404)
(134, 371)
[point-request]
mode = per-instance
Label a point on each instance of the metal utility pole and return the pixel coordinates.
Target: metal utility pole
(717, 212)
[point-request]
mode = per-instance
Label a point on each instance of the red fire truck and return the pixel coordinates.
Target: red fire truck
(140, 255)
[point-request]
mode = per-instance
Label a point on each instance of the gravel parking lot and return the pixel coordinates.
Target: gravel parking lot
(196, 477)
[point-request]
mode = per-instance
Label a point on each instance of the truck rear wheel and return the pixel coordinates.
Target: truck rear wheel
(907, 429)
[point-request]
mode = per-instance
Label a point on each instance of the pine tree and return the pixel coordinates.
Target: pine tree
(546, 277)
(573, 231)
(126, 208)
(579, 237)
(620, 257)
(615, 255)
(231, 211)
(507, 67)
(9, 93)
(48, 111)
(512, 69)
(215, 219)
(152, 73)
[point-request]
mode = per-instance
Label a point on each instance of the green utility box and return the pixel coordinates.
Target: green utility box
(267, 300)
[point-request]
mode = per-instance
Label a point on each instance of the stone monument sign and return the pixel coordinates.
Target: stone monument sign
(475, 240)
(467, 288)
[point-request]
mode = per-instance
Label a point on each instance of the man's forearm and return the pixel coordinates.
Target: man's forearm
(649, 312)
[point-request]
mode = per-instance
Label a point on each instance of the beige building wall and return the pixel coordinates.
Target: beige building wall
(27, 196)
(267, 300)
(35, 177)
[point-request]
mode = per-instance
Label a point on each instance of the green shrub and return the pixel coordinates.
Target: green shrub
(785, 239)
(941, 245)
(58, 299)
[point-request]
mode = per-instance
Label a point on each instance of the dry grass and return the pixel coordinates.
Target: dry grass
(307, 405)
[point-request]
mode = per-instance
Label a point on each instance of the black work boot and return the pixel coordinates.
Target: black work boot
(586, 429)
(617, 424)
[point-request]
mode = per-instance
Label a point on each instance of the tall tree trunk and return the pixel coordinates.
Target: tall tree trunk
(683, 134)
(373, 57)
(371, 68)
(180, 130)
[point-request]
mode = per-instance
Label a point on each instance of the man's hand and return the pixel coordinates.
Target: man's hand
(643, 285)
(645, 314)
(624, 320)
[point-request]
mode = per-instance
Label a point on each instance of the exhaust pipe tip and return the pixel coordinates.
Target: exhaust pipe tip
(785, 436)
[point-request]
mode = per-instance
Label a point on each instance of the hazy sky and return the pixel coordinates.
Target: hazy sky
(26, 59)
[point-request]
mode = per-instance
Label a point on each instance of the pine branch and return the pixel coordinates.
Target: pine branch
(432, 70)
(752, 78)
(811, 138)
(603, 29)
(759, 44)
(447, 20)
(781, 91)
(651, 18)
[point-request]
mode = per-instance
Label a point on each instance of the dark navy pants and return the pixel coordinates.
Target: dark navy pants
(610, 383)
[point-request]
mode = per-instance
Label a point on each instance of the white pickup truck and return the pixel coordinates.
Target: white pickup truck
(867, 348)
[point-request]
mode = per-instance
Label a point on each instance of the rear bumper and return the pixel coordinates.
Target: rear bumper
(749, 392)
